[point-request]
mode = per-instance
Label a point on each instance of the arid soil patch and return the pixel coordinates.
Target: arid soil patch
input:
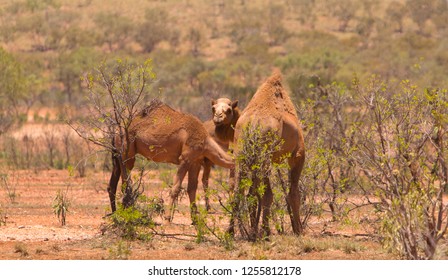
(33, 231)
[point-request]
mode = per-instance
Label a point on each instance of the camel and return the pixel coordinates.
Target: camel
(221, 128)
(162, 134)
(272, 111)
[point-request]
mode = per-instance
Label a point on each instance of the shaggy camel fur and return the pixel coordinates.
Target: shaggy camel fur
(162, 134)
(272, 111)
(222, 128)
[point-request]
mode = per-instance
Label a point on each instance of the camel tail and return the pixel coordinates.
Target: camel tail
(217, 155)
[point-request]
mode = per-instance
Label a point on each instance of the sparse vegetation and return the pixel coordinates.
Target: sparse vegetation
(255, 163)
(401, 156)
(348, 246)
(8, 184)
(117, 94)
(21, 249)
(121, 251)
(137, 221)
(376, 147)
(61, 204)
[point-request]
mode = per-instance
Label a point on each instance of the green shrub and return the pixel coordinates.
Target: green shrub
(136, 222)
(61, 204)
(401, 154)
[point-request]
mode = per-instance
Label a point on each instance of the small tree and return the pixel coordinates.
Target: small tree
(116, 95)
(305, 10)
(70, 67)
(402, 156)
(329, 169)
(421, 11)
(440, 16)
(395, 14)
(155, 30)
(277, 33)
(115, 29)
(197, 40)
(51, 141)
(344, 11)
(13, 90)
(61, 203)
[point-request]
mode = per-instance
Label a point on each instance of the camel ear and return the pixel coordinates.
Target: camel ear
(234, 104)
(213, 102)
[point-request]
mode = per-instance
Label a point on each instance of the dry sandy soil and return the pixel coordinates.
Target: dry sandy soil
(32, 230)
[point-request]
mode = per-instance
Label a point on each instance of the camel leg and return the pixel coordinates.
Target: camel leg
(113, 182)
(232, 180)
(254, 206)
(205, 178)
(294, 198)
(127, 188)
(193, 174)
(235, 201)
(181, 172)
(268, 198)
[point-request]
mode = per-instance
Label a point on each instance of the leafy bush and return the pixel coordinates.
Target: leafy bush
(386, 142)
(401, 152)
(136, 222)
(115, 29)
(13, 89)
(8, 182)
(61, 204)
(156, 29)
(255, 165)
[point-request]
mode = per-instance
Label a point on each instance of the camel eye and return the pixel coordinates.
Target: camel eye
(229, 111)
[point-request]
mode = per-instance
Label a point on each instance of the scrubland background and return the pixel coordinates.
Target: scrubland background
(203, 50)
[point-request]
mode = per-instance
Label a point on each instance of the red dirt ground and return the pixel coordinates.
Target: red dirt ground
(32, 230)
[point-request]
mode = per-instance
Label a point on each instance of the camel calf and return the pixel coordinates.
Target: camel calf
(222, 128)
(162, 134)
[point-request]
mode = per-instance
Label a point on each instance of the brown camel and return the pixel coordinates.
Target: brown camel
(272, 111)
(162, 134)
(222, 128)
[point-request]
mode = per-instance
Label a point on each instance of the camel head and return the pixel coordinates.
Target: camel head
(223, 111)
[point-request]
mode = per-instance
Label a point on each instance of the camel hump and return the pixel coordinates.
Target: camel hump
(276, 78)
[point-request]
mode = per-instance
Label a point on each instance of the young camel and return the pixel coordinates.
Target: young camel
(222, 129)
(272, 111)
(162, 134)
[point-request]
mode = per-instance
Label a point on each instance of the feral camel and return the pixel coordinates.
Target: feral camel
(272, 111)
(162, 134)
(222, 128)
